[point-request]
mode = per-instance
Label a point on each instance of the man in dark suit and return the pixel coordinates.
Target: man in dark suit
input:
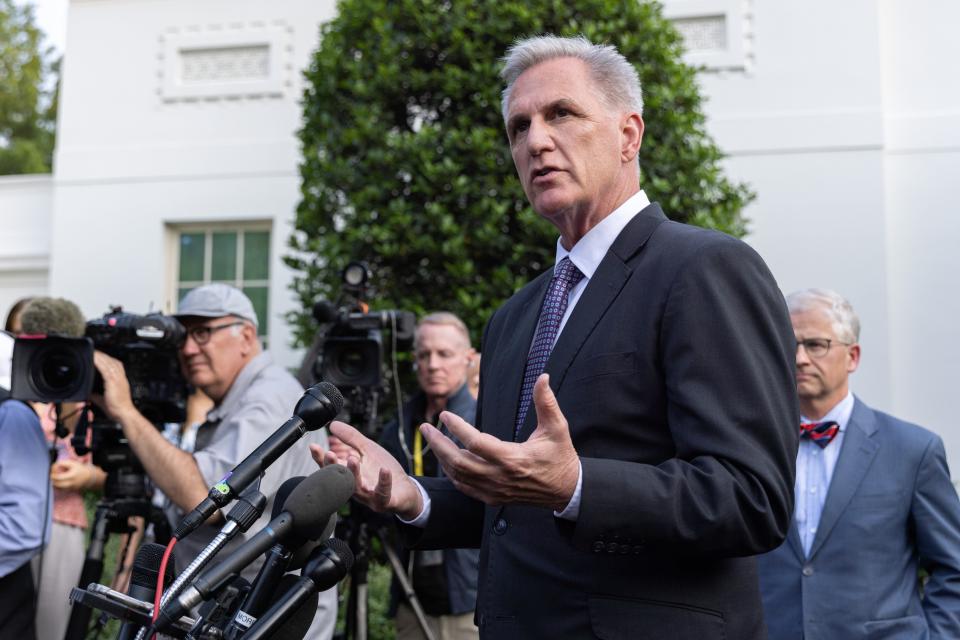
(636, 408)
(874, 503)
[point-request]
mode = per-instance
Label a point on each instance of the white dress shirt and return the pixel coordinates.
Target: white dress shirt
(586, 255)
(815, 470)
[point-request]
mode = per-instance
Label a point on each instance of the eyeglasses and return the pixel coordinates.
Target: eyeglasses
(201, 333)
(818, 347)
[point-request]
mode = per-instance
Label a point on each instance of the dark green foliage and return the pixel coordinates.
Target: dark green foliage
(27, 111)
(406, 163)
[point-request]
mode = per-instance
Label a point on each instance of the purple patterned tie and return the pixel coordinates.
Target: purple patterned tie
(565, 277)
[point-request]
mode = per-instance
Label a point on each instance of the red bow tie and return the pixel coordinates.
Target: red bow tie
(820, 432)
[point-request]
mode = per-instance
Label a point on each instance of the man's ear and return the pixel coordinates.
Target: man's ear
(249, 333)
(631, 135)
(853, 358)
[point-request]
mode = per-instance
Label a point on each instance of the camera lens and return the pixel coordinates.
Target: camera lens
(352, 364)
(57, 371)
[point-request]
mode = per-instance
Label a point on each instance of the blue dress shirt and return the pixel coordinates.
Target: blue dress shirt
(814, 470)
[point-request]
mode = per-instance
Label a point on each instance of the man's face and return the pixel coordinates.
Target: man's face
(443, 355)
(568, 146)
(213, 365)
(822, 379)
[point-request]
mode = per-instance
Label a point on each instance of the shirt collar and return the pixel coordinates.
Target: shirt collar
(239, 387)
(591, 248)
(840, 413)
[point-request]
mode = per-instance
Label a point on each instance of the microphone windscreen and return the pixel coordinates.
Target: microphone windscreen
(342, 549)
(334, 394)
(296, 626)
(318, 497)
(283, 492)
(146, 566)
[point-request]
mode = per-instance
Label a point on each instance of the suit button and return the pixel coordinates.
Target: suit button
(598, 547)
(612, 547)
(500, 526)
(807, 571)
(637, 549)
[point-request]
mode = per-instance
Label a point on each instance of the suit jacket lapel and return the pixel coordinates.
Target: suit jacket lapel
(793, 539)
(603, 288)
(858, 452)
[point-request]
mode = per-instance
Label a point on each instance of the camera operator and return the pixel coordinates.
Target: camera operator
(25, 494)
(252, 397)
(445, 582)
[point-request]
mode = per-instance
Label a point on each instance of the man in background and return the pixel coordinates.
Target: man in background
(252, 397)
(445, 582)
(874, 504)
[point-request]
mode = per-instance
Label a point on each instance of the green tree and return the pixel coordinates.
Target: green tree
(406, 163)
(27, 109)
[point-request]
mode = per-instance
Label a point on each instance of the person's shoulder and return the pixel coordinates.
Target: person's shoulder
(11, 409)
(688, 240)
(904, 435)
(273, 390)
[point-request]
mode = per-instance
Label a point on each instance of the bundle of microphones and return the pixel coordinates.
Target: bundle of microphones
(278, 603)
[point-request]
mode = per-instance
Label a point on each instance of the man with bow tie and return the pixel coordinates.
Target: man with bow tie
(874, 505)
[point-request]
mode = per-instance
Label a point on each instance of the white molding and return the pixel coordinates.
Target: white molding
(923, 131)
(227, 46)
(798, 131)
(736, 16)
(37, 262)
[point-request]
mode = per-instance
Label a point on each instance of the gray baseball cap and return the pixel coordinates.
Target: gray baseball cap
(217, 300)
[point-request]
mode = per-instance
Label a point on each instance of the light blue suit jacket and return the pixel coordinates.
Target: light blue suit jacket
(890, 510)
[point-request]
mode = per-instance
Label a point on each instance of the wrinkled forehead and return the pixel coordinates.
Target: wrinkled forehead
(549, 81)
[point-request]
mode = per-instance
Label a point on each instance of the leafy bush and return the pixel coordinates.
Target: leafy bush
(405, 159)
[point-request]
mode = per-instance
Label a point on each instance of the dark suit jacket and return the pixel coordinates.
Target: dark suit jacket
(890, 509)
(675, 372)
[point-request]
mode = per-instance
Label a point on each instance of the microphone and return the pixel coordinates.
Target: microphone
(316, 408)
(305, 515)
(143, 581)
(271, 571)
(328, 564)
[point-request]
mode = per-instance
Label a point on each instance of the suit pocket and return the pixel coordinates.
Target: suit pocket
(628, 619)
(604, 364)
(912, 627)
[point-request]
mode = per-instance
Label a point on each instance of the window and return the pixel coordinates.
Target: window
(234, 254)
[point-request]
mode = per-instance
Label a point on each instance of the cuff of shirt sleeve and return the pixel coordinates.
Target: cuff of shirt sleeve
(421, 520)
(572, 510)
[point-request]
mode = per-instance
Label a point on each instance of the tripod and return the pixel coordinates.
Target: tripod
(124, 495)
(361, 526)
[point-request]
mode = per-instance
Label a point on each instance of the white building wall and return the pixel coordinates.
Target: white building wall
(25, 206)
(845, 119)
(175, 112)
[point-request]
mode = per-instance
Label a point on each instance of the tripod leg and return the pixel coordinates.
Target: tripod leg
(92, 571)
(408, 591)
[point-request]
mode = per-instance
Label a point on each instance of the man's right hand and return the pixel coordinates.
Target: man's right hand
(381, 483)
(116, 400)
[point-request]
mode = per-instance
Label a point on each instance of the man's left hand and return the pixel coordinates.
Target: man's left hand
(541, 471)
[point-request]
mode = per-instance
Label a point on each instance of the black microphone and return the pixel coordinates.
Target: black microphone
(143, 581)
(316, 408)
(305, 515)
(327, 565)
(271, 571)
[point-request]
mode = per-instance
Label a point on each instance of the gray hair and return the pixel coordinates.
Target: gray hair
(444, 318)
(846, 324)
(617, 79)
